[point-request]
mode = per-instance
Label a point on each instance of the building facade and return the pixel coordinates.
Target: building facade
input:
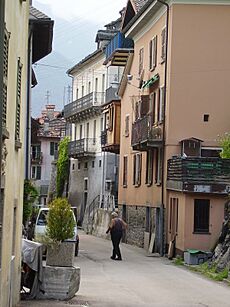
(172, 183)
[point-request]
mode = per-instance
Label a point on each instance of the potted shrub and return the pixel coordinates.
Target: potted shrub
(60, 233)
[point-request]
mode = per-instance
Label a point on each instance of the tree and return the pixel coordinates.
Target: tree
(30, 195)
(225, 144)
(62, 166)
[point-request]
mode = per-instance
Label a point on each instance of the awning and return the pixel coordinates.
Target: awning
(151, 81)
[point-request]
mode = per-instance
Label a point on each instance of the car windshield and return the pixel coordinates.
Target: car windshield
(42, 219)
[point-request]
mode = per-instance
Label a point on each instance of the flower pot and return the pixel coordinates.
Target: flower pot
(60, 254)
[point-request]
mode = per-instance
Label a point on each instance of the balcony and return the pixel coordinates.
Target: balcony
(144, 135)
(85, 107)
(36, 157)
(199, 175)
(107, 142)
(118, 50)
(83, 148)
(111, 94)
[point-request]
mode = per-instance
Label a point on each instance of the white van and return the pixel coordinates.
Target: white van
(40, 228)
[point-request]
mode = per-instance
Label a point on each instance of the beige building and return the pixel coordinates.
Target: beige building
(174, 104)
(16, 54)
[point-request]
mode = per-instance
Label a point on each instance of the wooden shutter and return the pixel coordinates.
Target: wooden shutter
(38, 176)
(141, 60)
(154, 51)
(134, 169)
(125, 170)
(150, 54)
(18, 101)
(163, 44)
(127, 125)
(144, 105)
(139, 165)
(5, 75)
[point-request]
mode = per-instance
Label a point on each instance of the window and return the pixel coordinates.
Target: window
(201, 215)
(160, 112)
(103, 83)
(18, 101)
(86, 184)
(141, 60)
(158, 173)
(82, 91)
(163, 44)
(152, 108)
(80, 134)
(102, 124)
(36, 152)
(77, 93)
(127, 125)
(137, 159)
(99, 163)
(79, 166)
(73, 166)
(206, 117)
(149, 168)
(93, 164)
(89, 87)
(53, 148)
(75, 132)
(153, 53)
(85, 165)
(96, 85)
(94, 131)
(125, 171)
(36, 172)
(210, 152)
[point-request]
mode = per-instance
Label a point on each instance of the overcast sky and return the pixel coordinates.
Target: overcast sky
(75, 26)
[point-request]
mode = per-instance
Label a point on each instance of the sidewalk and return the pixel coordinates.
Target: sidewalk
(74, 302)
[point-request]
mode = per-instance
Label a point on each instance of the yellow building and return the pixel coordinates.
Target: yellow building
(15, 82)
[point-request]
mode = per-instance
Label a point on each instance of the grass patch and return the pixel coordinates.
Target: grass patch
(178, 261)
(210, 271)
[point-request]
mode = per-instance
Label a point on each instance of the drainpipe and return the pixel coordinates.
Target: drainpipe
(2, 27)
(162, 249)
(28, 104)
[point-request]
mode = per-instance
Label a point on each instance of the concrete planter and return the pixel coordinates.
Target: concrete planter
(60, 255)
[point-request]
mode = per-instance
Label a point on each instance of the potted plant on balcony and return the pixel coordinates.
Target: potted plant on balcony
(60, 233)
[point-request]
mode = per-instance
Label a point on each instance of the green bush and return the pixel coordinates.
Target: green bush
(225, 144)
(29, 197)
(62, 166)
(60, 220)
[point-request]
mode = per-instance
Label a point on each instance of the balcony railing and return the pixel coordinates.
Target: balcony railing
(118, 42)
(83, 147)
(144, 135)
(104, 137)
(94, 99)
(111, 94)
(199, 175)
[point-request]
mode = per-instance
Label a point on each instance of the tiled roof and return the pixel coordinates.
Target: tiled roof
(36, 14)
(139, 4)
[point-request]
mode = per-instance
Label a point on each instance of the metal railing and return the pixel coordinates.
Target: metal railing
(103, 137)
(82, 146)
(83, 103)
(143, 131)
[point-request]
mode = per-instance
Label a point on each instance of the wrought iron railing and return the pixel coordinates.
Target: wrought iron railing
(36, 157)
(143, 131)
(82, 146)
(83, 103)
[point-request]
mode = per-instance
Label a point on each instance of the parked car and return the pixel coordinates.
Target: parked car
(40, 228)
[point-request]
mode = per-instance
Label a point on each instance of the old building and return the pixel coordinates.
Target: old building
(47, 131)
(174, 104)
(93, 172)
(15, 84)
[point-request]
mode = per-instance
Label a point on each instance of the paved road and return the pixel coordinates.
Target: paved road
(138, 280)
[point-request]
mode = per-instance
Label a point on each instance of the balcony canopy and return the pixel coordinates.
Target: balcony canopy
(151, 81)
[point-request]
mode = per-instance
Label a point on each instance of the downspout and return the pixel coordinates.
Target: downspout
(2, 27)
(162, 249)
(28, 105)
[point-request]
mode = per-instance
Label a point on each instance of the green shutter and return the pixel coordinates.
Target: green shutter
(38, 172)
(18, 101)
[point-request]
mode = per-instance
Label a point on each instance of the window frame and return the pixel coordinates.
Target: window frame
(125, 172)
(149, 167)
(163, 44)
(137, 165)
(153, 53)
(199, 214)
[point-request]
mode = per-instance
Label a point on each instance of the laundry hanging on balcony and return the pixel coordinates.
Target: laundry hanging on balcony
(151, 81)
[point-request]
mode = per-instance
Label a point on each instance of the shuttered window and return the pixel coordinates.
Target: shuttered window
(153, 53)
(137, 159)
(141, 60)
(149, 168)
(160, 115)
(125, 171)
(201, 215)
(163, 44)
(5, 75)
(127, 125)
(18, 101)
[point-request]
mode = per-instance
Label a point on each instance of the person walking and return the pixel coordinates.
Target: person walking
(116, 228)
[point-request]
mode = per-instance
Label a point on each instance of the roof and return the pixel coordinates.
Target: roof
(83, 61)
(36, 14)
(105, 34)
(138, 4)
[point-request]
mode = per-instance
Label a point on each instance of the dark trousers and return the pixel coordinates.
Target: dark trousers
(116, 238)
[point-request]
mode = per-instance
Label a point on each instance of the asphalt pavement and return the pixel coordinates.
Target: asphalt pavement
(138, 280)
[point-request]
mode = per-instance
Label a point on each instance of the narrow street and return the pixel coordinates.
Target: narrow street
(138, 280)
